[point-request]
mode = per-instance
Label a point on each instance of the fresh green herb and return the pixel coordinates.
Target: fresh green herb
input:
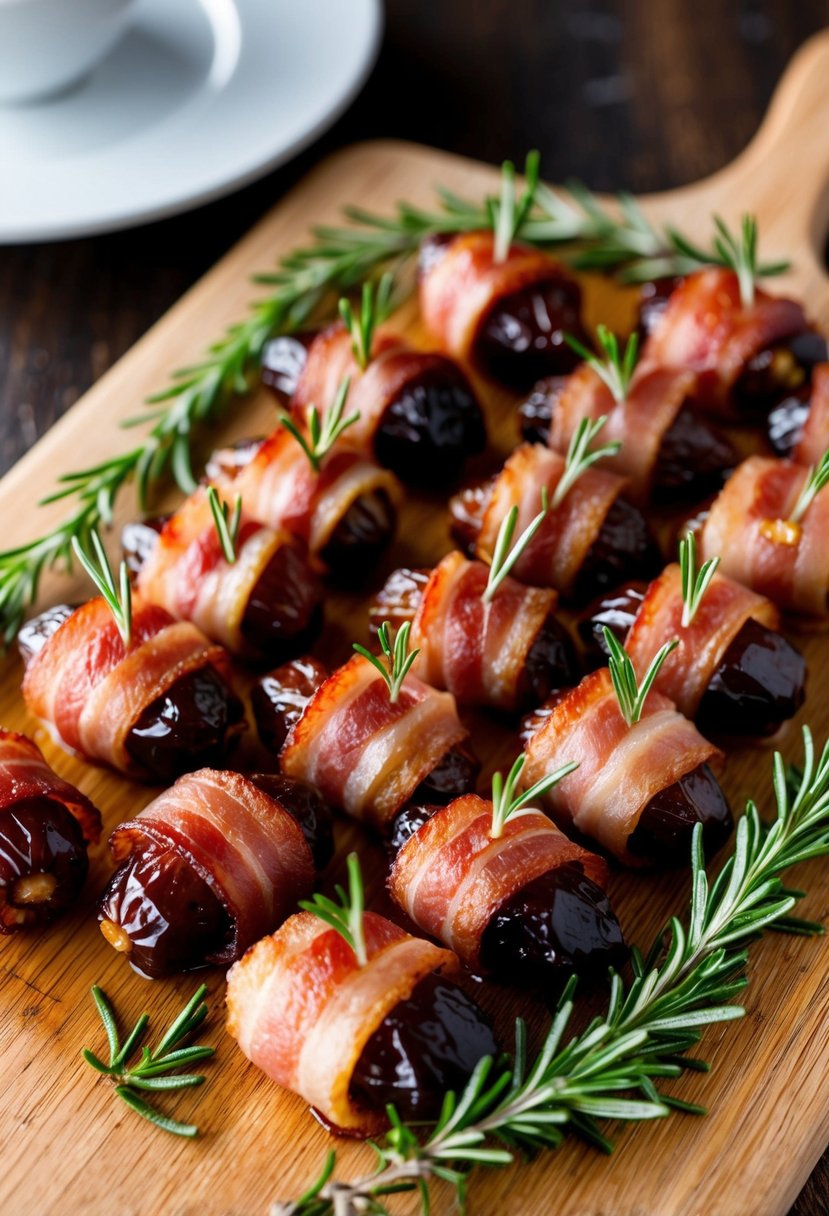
(373, 312)
(505, 553)
(630, 695)
(580, 456)
(510, 213)
(322, 433)
(694, 582)
(227, 523)
(505, 801)
(817, 479)
(157, 1068)
(612, 1068)
(616, 369)
(90, 552)
(346, 916)
(399, 659)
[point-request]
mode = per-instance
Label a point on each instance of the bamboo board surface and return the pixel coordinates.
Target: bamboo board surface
(70, 1146)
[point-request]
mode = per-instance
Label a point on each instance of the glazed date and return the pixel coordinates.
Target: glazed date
(361, 536)
(776, 372)
(43, 862)
(662, 836)
(521, 339)
(279, 698)
(788, 419)
(306, 804)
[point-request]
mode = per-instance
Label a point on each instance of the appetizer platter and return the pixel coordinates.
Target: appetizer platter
(438, 691)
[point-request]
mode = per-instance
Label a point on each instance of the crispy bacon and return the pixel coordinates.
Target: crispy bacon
(815, 438)
(621, 767)
(451, 877)
(475, 649)
(556, 553)
(461, 287)
(748, 527)
(364, 753)
(248, 849)
(687, 671)
(639, 422)
(302, 1009)
(706, 329)
(25, 774)
(91, 689)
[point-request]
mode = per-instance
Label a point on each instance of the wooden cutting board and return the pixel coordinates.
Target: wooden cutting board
(70, 1146)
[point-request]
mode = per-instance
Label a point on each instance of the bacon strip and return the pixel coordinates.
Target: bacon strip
(280, 489)
(25, 774)
(687, 671)
(706, 329)
(451, 878)
(788, 563)
(366, 754)
(91, 689)
(556, 553)
(815, 438)
(248, 849)
(621, 767)
(461, 288)
(640, 422)
(475, 649)
(188, 574)
(303, 1010)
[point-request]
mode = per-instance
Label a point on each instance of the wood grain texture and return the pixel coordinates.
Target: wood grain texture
(70, 1147)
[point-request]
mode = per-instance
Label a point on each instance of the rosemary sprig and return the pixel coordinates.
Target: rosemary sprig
(346, 916)
(694, 582)
(323, 433)
(90, 552)
(817, 479)
(505, 801)
(616, 369)
(511, 212)
(611, 1069)
(226, 521)
(399, 658)
(506, 553)
(375, 307)
(580, 456)
(631, 695)
(157, 1068)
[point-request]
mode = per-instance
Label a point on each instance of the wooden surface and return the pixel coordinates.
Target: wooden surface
(71, 1147)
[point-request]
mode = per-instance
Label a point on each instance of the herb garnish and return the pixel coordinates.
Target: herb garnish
(510, 213)
(611, 1069)
(694, 582)
(506, 803)
(322, 433)
(817, 479)
(346, 916)
(616, 369)
(399, 658)
(580, 457)
(631, 695)
(227, 523)
(96, 564)
(155, 1070)
(506, 554)
(375, 307)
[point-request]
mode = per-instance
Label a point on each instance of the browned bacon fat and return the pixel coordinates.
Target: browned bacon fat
(45, 827)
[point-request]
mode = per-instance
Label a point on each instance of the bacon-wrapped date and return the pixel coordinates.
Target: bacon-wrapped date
(159, 707)
(733, 672)
(528, 905)
(639, 790)
(351, 1039)
(586, 544)
(346, 513)
(263, 605)
(799, 424)
(207, 868)
(746, 356)
(419, 415)
(508, 319)
(367, 754)
(668, 453)
(45, 827)
(749, 527)
(507, 653)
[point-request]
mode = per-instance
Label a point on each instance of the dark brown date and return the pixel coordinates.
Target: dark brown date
(535, 413)
(428, 1044)
(227, 462)
(307, 806)
(398, 599)
(284, 610)
(624, 548)
(408, 821)
(138, 539)
(521, 339)
(279, 698)
(466, 515)
(653, 300)
(788, 419)
(454, 774)
(362, 535)
(35, 633)
(776, 372)
(43, 862)
(616, 611)
(283, 360)
(663, 834)
(759, 683)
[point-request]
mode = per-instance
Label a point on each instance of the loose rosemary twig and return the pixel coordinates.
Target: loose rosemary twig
(157, 1068)
(611, 1069)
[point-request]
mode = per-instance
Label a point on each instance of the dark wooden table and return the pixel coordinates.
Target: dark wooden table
(637, 94)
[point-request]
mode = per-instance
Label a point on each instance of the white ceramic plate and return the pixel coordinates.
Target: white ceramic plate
(200, 97)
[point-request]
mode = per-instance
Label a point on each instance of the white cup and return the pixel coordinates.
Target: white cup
(48, 45)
